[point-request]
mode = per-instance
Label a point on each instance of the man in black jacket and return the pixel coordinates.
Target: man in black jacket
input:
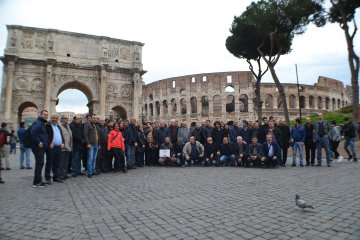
(310, 146)
(255, 152)
(78, 147)
(210, 152)
(283, 141)
(227, 152)
(349, 131)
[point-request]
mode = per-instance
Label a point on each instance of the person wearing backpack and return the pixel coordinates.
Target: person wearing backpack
(24, 150)
(4, 146)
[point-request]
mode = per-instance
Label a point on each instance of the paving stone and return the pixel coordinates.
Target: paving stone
(192, 203)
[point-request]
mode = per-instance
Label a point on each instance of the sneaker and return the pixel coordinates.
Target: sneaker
(8, 168)
(301, 165)
(22, 167)
(29, 168)
(39, 185)
(350, 157)
(89, 176)
(293, 165)
(339, 159)
(355, 160)
(48, 182)
(58, 180)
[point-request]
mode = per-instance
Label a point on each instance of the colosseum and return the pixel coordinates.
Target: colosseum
(229, 95)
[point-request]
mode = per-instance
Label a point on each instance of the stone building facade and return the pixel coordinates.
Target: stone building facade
(41, 63)
(229, 96)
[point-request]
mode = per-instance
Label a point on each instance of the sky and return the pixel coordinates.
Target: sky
(181, 37)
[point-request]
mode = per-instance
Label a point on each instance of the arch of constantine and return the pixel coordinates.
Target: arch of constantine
(229, 96)
(41, 63)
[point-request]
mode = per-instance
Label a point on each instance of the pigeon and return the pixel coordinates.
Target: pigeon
(301, 203)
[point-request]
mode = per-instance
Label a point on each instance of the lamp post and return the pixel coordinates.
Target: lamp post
(298, 88)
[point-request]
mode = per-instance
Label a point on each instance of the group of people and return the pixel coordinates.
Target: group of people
(101, 145)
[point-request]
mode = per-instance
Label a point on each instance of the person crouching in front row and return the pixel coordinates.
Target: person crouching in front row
(227, 152)
(210, 152)
(271, 152)
(193, 152)
(255, 152)
(171, 159)
(241, 153)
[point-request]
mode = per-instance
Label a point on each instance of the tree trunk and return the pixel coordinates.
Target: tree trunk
(281, 93)
(353, 59)
(354, 70)
(258, 102)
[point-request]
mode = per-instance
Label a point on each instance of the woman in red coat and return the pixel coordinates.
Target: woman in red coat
(116, 147)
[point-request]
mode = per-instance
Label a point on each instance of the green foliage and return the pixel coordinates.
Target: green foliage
(349, 7)
(285, 17)
(328, 116)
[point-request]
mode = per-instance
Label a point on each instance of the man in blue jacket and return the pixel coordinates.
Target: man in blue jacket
(297, 140)
(39, 142)
(271, 152)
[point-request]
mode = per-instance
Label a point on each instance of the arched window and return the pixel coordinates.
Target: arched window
(229, 89)
(204, 106)
(193, 104)
(292, 101)
(165, 107)
(244, 103)
(173, 106)
(151, 109)
(157, 107)
(311, 102)
(230, 103)
(269, 102)
(183, 106)
(320, 103)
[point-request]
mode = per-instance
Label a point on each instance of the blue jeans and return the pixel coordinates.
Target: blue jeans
(350, 143)
(91, 158)
(323, 142)
(52, 163)
(297, 147)
(26, 152)
(76, 163)
(227, 158)
(128, 155)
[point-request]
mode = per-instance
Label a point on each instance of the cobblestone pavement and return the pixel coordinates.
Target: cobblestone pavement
(185, 203)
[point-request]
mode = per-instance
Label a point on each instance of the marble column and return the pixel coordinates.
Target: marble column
(9, 88)
(102, 92)
(47, 103)
(137, 94)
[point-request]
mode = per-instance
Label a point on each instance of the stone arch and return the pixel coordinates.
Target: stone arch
(339, 103)
(32, 115)
(320, 103)
(292, 101)
(173, 106)
(86, 89)
(193, 105)
(151, 97)
(157, 108)
(333, 101)
(230, 103)
(183, 107)
(302, 101)
(165, 107)
(151, 109)
(119, 112)
(244, 103)
(327, 103)
(204, 106)
(217, 105)
(269, 101)
(229, 89)
(311, 102)
(146, 109)
(342, 103)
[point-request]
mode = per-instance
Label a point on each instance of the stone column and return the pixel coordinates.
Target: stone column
(102, 97)
(9, 88)
(47, 105)
(137, 93)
